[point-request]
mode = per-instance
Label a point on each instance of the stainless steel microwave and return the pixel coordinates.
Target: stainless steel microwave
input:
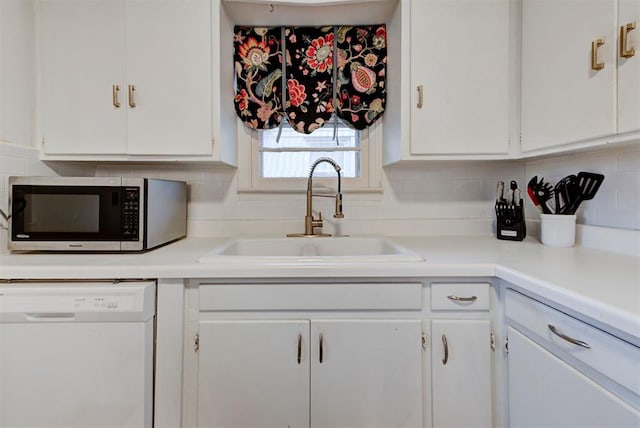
(95, 213)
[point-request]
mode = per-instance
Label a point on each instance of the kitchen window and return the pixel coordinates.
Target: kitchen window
(267, 164)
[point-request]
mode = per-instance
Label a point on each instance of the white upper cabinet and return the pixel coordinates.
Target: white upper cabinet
(83, 45)
(568, 71)
(580, 85)
(131, 79)
(449, 80)
(629, 66)
(17, 71)
(168, 59)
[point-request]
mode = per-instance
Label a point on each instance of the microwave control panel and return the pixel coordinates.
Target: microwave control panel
(131, 214)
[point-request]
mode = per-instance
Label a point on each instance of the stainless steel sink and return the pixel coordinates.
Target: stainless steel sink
(297, 250)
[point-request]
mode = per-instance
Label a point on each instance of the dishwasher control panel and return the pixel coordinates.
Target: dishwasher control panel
(76, 301)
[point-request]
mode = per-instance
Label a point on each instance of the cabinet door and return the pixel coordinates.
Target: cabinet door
(83, 50)
(460, 59)
(629, 69)
(366, 373)
(251, 374)
(17, 71)
(544, 391)
(169, 64)
(461, 373)
(563, 99)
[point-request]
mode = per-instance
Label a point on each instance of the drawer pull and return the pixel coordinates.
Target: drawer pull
(571, 340)
(446, 350)
(462, 299)
(299, 348)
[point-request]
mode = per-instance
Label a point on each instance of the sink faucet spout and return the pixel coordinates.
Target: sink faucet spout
(310, 223)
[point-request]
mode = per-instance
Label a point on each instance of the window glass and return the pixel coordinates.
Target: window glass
(293, 154)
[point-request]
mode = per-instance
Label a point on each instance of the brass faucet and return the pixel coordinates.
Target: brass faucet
(311, 223)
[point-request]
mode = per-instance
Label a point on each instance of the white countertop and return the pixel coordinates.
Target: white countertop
(601, 285)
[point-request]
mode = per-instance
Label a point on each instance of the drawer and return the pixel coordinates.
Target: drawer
(607, 354)
(460, 296)
(301, 296)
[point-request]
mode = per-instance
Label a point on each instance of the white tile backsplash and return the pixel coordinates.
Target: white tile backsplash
(429, 198)
(426, 194)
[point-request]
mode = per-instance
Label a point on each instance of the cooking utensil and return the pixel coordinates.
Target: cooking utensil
(588, 184)
(566, 194)
(544, 193)
(532, 193)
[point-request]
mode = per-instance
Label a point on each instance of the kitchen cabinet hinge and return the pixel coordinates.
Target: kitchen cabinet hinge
(492, 340)
(196, 343)
(424, 341)
(506, 345)
(213, 143)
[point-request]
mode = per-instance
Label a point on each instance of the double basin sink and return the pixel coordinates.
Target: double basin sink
(310, 250)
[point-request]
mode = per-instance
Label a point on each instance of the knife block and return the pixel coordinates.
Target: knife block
(510, 222)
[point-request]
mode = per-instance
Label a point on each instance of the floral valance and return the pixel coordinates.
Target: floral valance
(305, 75)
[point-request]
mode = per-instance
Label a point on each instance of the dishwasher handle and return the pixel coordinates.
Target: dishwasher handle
(49, 316)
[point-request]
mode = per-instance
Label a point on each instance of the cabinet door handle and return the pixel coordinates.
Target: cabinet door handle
(132, 101)
(595, 45)
(321, 352)
(571, 340)
(115, 90)
(462, 299)
(446, 350)
(420, 95)
(624, 31)
(299, 348)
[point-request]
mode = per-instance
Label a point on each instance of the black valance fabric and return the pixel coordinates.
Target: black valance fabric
(258, 75)
(328, 70)
(361, 83)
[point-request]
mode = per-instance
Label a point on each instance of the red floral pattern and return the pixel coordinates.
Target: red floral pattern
(258, 76)
(320, 53)
(297, 93)
(362, 60)
(309, 53)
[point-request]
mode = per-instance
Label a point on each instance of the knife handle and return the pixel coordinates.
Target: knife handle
(500, 191)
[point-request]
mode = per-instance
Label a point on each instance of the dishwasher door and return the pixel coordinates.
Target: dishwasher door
(77, 354)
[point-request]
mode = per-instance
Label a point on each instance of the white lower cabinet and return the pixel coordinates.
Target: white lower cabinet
(564, 372)
(545, 391)
(461, 373)
(318, 373)
(252, 374)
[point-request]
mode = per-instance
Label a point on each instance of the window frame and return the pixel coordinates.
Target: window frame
(250, 181)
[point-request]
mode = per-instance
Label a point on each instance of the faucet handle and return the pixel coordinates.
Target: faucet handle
(338, 212)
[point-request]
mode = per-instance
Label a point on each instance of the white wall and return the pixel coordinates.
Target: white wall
(426, 199)
(429, 199)
(433, 198)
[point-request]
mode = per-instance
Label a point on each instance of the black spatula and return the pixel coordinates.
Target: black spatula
(566, 193)
(588, 185)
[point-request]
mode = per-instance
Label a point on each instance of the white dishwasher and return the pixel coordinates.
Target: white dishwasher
(77, 354)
